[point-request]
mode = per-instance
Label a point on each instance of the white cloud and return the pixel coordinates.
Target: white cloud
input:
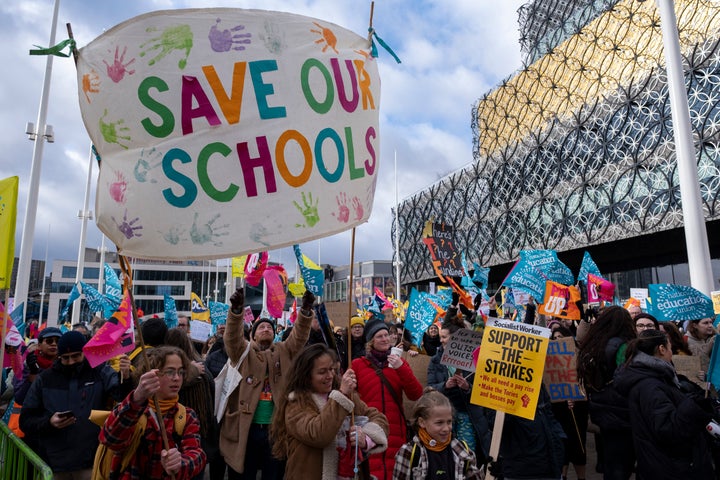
(452, 52)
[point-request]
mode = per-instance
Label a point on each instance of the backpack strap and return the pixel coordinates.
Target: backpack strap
(413, 460)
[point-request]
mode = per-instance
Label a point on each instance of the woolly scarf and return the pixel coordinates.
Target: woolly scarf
(378, 358)
(165, 405)
(430, 443)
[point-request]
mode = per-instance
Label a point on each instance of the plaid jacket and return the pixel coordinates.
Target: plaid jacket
(465, 465)
(118, 430)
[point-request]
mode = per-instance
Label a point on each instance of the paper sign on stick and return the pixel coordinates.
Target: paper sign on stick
(510, 366)
(459, 352)
(226, 131)
(560, 374)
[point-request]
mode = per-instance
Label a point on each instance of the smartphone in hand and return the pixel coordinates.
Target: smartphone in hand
(66, 414)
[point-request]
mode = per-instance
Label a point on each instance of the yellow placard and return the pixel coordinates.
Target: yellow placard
(509, 371)
(716, 301)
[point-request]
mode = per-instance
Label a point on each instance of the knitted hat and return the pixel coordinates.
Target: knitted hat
(49, 332)
(257, 323)
(357, 321)
(70, 342)
(372, 327)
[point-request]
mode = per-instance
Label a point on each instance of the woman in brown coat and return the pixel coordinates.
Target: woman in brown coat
(311, 425)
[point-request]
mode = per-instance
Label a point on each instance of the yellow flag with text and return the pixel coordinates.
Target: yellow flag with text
(238, 266)
(198, 310)
(8, 215)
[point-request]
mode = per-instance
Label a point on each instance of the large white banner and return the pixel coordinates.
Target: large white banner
(228, 131)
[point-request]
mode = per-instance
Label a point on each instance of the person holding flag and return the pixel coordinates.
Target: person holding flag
(244, 429)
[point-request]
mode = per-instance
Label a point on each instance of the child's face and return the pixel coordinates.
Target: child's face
(438, 424)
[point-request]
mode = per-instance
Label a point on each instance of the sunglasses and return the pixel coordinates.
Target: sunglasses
(51, 340)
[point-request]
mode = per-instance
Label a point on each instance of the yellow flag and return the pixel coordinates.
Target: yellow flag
(310, 264)
(238, 266)
(198, 311)
(297, 289)
(8, 214)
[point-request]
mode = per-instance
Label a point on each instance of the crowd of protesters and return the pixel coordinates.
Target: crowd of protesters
(259, 401)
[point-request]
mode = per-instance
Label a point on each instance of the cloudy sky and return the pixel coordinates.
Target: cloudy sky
(452, 52)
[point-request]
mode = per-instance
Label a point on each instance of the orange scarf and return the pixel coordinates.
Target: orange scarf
(165, 405)
(430, 443)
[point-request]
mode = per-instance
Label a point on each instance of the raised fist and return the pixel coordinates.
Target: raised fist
(237, 300)
(308, 300)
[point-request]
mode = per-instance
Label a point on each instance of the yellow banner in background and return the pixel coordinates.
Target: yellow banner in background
(8, 215)
(238, 266)
(509, 371)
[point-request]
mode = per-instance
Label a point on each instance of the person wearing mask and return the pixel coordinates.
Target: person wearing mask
(244, 429)
(383, 378)
(56, 410)
(668, 426)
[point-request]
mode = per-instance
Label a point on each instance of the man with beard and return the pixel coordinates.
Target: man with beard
(57, 407)
(244, 428)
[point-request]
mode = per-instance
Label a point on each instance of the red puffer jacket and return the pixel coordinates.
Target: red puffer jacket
(376, 394)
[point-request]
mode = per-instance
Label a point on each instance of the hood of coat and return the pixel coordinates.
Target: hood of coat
(641, 367)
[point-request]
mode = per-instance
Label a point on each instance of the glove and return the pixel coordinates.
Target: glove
(477, 302)
(465, 311)
(495, 467)
(237, 300)
(308, 300)
(455, 298)
(31, 362)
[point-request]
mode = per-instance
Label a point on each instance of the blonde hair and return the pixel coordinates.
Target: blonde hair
(430, 399)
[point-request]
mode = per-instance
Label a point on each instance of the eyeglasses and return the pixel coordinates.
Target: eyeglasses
(51, 340)
(71, 356)
(644, 326)
(171, 372)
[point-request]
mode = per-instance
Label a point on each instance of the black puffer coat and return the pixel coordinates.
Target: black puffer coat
(668, 427)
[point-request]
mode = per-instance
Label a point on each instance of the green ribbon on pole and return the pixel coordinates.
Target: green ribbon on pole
(373, 48)
(57, 50)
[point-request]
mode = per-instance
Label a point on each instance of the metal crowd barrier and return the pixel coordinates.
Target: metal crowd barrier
(18, 461)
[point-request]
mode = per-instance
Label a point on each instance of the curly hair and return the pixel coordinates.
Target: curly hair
(612, 322)
(300, 387)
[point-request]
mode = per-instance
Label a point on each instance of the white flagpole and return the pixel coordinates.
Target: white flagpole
(85, 214)
(397, 235)
(40, 135)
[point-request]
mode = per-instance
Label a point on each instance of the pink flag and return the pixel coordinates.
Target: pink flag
(114, 338)
(599, 289)
(275, 279)
(15, 341)
(293, 311)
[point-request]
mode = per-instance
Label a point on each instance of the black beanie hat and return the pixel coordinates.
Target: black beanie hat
(71, 342)
(257, 323)
(373, 326)
(153, 331)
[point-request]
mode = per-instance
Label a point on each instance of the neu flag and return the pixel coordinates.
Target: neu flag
(218, 313)
(678, 302)
(420, 315)
(113, 291)
(549, 264)
(587, 267)
(526, 278)
(74, 295)
(96, 301)
(312, 274)
(114, 338)
(713, 374)
(171, 316)
(8, 215)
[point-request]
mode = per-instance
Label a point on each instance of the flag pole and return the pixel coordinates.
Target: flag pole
(125, 267)
(349, 290)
